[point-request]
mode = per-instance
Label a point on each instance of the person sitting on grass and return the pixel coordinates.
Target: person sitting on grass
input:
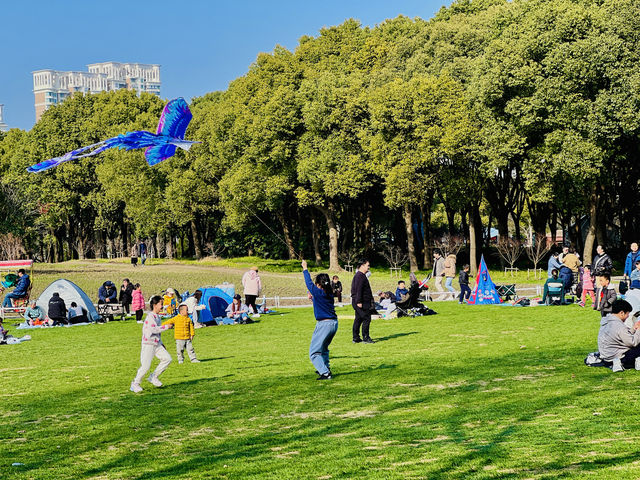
(76, 314)
(170, 302)
(617, 342)
(152, 347)
(183, 333)
(326, 321)
(20, 291)
(34, 315)
(401, 291)
(605, 295)
(237, 310)
(553, 279)
(57, 310)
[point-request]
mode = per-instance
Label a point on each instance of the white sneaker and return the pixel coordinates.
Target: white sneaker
(135, 387)
(617, 365)
(180, 361)
(637, 363)
(256, 315)
(154, 380)
(195, 360)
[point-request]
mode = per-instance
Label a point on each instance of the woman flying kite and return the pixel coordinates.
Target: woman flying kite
(159, 146)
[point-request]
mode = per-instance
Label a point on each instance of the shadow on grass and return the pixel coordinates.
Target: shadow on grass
(203, 360)
(141, 420)
(395, 335)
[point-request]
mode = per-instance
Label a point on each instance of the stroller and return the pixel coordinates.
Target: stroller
(412, 307)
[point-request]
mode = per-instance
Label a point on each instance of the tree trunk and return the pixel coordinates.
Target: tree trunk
(591, 232)
(425, 212)
(368, 226)
(411, 242)
(196, 240)
(451, 220)
(487, 239)
(475, 237)
(287, 237)
(315, 237)
(329, 214)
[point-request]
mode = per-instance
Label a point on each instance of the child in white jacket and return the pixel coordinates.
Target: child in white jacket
(152, 346)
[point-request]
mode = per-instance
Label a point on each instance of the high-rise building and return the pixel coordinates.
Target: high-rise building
(51, 87)
(3, 126)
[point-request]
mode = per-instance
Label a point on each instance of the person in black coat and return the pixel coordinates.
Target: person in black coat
(126, 294)
(362, 301)
(602, 262)
(57, 311)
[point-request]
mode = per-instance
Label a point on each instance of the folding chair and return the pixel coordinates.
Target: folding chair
(555, 293)
(507, 291)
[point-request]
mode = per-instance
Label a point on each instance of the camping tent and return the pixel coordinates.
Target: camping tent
(216, 302)
(485, 292)
(69, 292)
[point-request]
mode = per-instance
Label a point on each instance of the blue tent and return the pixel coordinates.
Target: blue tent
(216, 302)
(69, 292)
(485, 292)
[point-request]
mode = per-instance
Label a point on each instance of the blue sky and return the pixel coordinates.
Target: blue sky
(201, 45)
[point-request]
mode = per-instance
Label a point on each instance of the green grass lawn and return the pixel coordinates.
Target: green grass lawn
(474, 392)
(280, 277)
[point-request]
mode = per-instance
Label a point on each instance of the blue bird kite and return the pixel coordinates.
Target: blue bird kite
(159, 146)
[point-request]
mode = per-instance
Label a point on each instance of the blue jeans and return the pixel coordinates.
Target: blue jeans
(7, 299)
(465, 292)
(320, 340)
(448, 286)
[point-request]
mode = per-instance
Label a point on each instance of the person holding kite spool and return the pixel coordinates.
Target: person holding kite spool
(324, 310)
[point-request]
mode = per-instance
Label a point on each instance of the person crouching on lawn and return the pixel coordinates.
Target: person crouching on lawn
(183, 333)
(237, 310)
(618, 343)
(326, 321)
(152, 346)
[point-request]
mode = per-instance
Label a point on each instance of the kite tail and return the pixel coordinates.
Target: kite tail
(74, 154)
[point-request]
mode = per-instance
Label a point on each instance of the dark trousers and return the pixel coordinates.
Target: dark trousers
(363, 317)
(250, 300)
(139, 314)
(465, 292)
(629, 357)
(126, 307)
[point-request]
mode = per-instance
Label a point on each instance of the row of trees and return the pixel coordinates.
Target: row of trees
(506, 113)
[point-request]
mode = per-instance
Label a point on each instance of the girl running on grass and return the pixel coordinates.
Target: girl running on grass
(152, 346)
(326, 321)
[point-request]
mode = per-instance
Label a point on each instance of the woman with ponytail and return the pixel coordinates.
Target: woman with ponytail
(326, 321)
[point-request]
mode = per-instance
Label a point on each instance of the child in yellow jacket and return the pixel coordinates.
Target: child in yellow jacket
(183, 333)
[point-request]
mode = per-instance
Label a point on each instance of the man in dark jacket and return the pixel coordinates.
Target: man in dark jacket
(602, 262)
(362, 301)
(21, 289)
(57, 311)
(107, 293)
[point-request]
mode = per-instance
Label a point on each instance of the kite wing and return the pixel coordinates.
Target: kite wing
(174, 119)
(155, 155)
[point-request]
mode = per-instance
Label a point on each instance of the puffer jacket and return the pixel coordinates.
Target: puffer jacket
(450, 266)
(137, 300)
(615, 338)
(183, 327)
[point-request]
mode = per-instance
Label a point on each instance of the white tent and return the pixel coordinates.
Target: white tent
(69, 292)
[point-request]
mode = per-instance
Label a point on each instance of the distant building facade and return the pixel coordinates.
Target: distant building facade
(3, 126)
(51, 87)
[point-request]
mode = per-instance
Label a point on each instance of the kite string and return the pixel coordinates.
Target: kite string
(268, 227)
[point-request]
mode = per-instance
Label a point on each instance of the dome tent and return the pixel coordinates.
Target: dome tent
(69, 292)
